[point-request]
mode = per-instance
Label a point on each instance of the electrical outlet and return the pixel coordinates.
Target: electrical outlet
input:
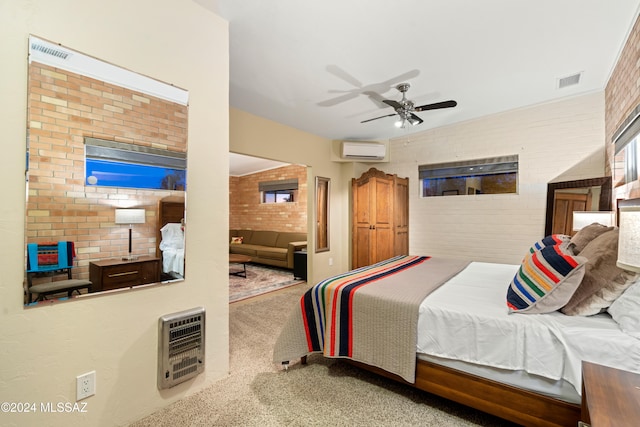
(85, 385)
(330, 261)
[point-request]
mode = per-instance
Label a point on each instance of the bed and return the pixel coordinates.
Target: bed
(462, 331)
(170, 236)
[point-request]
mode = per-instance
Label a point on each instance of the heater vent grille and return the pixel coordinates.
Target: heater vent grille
(180, 346)
(49, 51)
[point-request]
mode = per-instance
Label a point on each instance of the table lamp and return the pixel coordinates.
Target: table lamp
(130, 216)
(583, 218)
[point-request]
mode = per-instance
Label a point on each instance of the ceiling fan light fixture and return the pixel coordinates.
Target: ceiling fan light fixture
(405, 108)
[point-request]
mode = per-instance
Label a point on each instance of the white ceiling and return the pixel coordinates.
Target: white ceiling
(320, 66)
(240, 165)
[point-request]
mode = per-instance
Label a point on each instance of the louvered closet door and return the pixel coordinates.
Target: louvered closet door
(564, 206)
(401, 212)
(379, 230)
(373, 221)
(362, 200)
(382, 241)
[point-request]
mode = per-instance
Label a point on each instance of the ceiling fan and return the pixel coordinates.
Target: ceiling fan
(405, 108)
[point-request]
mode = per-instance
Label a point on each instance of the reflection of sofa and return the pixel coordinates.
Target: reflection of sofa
(268, 247)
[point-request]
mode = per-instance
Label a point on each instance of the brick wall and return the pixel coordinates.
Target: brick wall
(63, 109)
(246, 211)
(622, 95)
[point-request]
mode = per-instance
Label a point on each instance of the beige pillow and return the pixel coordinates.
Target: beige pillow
(586, 235)
(603, 281)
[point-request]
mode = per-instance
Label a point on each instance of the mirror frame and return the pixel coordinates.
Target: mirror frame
(605, 203)
(323, 187)
(88, 75)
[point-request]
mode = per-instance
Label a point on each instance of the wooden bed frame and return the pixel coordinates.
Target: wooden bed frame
(511, 403)
(504, 401)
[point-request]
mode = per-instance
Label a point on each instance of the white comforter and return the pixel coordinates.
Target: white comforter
(467, 319)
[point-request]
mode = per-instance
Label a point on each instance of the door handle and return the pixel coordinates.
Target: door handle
(127, 273)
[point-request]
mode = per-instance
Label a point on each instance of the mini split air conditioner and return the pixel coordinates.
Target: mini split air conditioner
(363, 150)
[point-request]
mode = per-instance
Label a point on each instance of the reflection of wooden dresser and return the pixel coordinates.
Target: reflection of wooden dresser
(115, 273)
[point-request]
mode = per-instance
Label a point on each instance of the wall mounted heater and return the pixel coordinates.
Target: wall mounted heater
(180, 346)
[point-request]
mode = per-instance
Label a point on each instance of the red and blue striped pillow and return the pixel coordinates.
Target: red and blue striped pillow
(551, 240)
(545, 281)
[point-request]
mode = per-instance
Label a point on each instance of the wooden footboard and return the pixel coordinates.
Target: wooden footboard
(504, 401)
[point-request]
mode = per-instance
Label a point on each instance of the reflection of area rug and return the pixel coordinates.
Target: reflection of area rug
(260, 280)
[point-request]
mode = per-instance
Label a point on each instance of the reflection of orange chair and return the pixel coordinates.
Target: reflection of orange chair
(51, 260)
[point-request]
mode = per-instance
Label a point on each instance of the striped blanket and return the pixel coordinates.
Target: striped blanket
(368, 315)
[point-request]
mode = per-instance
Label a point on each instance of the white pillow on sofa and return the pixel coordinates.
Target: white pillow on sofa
(625, 310)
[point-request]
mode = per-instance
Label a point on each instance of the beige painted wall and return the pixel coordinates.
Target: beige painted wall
(43, 349)
(558, 141)
(256, 136)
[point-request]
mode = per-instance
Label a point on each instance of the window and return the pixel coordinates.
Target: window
(282, 191)
(631, 161)
(116, 164)
(277, 196)
(495, 175)
(627, 155)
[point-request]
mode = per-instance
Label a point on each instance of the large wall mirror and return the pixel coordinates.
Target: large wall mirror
(106, 177)
(592, 194)
(323, 187)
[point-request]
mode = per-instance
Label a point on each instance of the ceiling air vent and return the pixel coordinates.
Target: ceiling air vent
(571, 80)
(48, 50)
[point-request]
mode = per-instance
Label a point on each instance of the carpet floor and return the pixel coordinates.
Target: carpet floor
(260, 280)
(323, 393)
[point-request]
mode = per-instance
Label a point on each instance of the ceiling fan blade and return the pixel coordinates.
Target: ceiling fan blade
(342, 74)
(376, 98)
(376, 118)
(338, 100)
(415, 119)
(437, 105)
(384, 86)
(394, 104)
(401, 78)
